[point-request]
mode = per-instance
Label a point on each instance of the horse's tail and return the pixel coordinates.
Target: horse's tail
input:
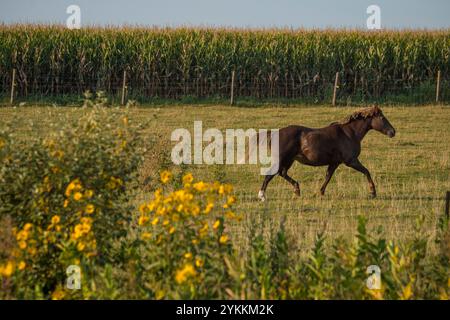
(250, 155)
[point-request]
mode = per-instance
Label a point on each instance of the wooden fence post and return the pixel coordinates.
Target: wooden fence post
(438, 85)
(13, 84)
(447, 205)
(336, 81)
(124, 86)
(232, 88)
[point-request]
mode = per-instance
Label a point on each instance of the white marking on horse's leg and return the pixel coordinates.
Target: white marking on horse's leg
(261, 196)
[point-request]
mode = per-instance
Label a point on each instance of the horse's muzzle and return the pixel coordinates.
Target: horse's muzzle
(391, 133)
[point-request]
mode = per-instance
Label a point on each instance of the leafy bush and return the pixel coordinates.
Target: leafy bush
(65, 194)
(341, 270)
(187, 238)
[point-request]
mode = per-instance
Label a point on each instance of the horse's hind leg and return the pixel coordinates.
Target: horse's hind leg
(330, 171)
(294, 183)
(355, 164)
(261, 193)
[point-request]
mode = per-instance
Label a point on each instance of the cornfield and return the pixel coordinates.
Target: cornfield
(170, 63)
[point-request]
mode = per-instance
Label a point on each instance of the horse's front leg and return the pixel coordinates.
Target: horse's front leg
(294, 183)
(355, 164)
(262, 191)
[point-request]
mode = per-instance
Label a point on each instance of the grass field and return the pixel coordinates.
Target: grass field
(411, 171)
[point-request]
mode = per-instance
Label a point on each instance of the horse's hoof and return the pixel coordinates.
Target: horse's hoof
(373, 195)
(261, 196)
(297, 193)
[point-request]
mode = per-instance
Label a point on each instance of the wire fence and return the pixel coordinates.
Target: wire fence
(17, 86)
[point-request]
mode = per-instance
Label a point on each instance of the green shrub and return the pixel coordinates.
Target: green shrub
(66, 197)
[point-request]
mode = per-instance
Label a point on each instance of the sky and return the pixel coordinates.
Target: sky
(395, 14)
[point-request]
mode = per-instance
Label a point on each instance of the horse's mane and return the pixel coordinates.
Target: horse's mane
(364, 113)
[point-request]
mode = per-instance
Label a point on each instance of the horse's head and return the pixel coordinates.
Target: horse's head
(381, 124)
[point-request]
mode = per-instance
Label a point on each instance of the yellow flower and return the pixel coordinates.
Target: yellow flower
(203, 230)
(89, 208)
(69, 189)
(74, 185)
(231, 200)
(58, 154)
(56, 219)
(66, 203)
(161, 211)
(172, 230)
(55, 169)
(155, 221)
(22, 235)
(77, 196)
(223, 239)
(86, 220)
(58, 294)
(208, 208)
(195, 210)
(27, 226)
(188, 255)
(81, 246)
(146, 235)
(407, 292)
(21, 265)
(111, 183)
(143, 208)
(199, 262)
(166, 176)
(200, 186)
(188, 178)
(183, 274)
(216, 224)
(230, 214)
(158, 193)
(143, 220)
(77, 231)
(86, 228)
(22, 245)
(159, 295)
(376, 294)
(225, 188)
(88, 193)
(7, 270)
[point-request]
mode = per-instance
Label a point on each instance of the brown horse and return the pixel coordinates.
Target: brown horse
(339, 143)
